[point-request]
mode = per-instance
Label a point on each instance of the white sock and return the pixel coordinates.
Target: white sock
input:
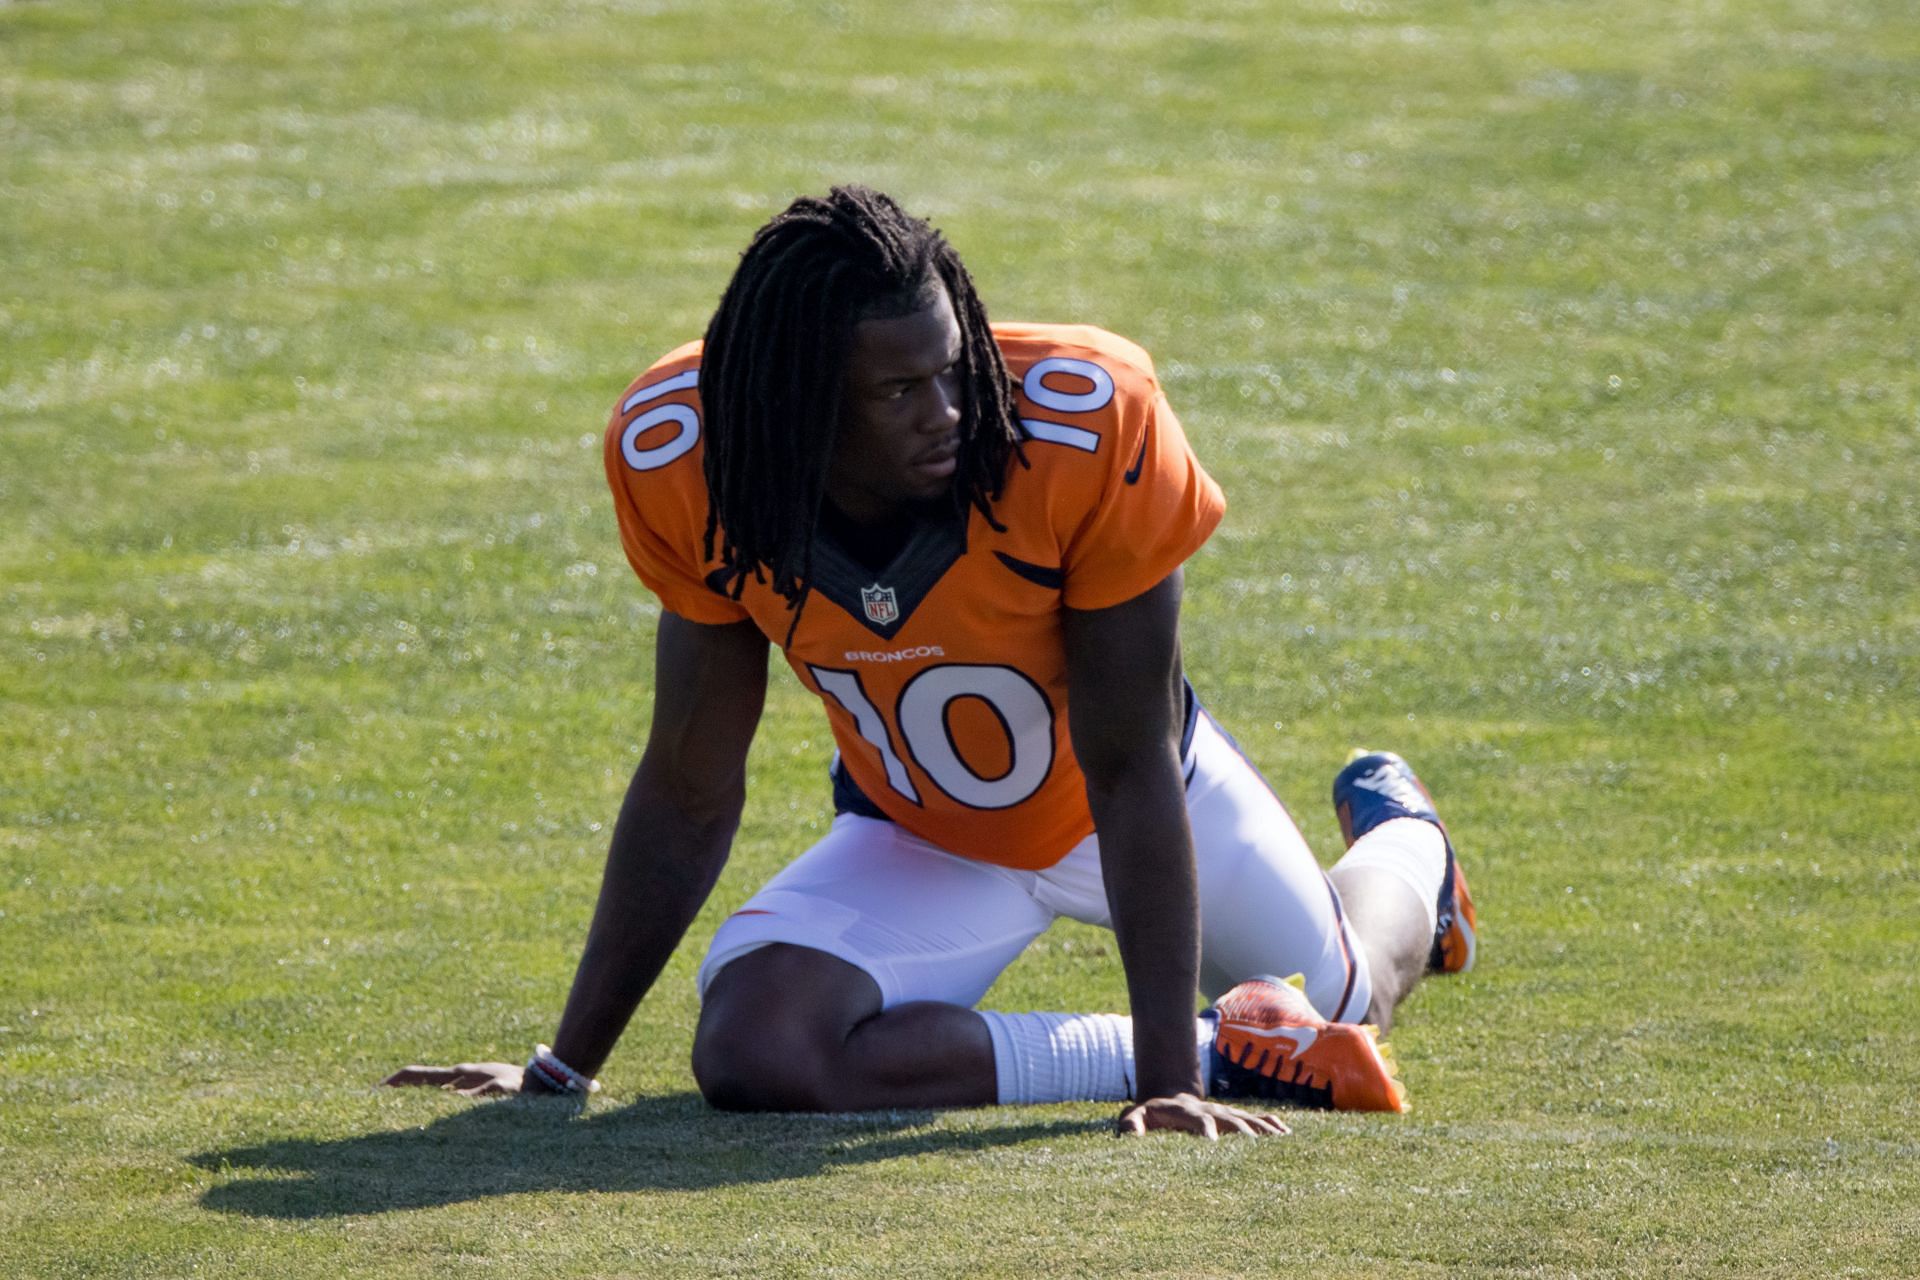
(1411, 849)
(1067, 1057)
(1062, 1057)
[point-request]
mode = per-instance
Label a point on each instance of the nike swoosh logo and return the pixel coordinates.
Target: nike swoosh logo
(1384, 781)
(1133, 472)
(1302, 1037)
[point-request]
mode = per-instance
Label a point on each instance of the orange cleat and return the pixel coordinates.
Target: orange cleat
(1269, 1043)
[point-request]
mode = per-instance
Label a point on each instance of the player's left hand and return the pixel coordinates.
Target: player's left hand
(1186, 1113)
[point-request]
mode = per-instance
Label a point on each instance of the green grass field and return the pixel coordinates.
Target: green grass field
(1562, 366)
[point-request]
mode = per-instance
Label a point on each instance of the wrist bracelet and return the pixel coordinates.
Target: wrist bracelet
(556, 1076)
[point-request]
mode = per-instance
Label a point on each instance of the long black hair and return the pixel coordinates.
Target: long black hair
(774, 369)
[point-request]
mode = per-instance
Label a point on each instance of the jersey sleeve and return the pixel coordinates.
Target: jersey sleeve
(659, 496)
(1156, 507)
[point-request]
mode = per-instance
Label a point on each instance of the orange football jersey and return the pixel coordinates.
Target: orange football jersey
(945, 674)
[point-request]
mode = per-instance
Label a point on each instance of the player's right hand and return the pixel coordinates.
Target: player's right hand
(469, 1079)
(1186, 1113)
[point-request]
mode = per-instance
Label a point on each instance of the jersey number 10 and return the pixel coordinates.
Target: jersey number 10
(922, 719)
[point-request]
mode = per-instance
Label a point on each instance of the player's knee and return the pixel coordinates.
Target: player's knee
(759, 1056)
(723, 1072)
(760, 1064)
(724, 1067)
(773, 1032)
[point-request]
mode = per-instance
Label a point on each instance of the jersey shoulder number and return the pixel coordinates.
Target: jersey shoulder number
(658, 419)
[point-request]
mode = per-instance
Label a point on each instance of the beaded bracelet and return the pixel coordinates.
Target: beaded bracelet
(556, 1076)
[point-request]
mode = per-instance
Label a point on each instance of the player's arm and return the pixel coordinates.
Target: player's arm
(1127, 708)
(672, 837)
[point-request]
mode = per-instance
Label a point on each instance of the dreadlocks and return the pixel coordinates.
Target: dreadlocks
(772, 374)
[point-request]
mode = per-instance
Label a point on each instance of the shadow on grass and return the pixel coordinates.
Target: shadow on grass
(674, 1143)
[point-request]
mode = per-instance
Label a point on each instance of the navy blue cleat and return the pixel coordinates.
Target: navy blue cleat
(1378, 786)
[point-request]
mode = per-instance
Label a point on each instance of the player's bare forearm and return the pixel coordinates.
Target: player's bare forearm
(1147, 853)
(1127, 710)
(675, 828)
(661, 866)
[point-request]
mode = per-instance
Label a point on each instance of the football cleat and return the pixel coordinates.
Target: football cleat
(1269, 1043)
(1377, 786)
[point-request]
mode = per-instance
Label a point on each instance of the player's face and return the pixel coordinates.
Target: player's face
(900, 437)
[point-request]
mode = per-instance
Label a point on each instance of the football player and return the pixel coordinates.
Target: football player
(967, 539)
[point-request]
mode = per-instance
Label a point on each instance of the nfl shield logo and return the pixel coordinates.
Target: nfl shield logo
(881, 607)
